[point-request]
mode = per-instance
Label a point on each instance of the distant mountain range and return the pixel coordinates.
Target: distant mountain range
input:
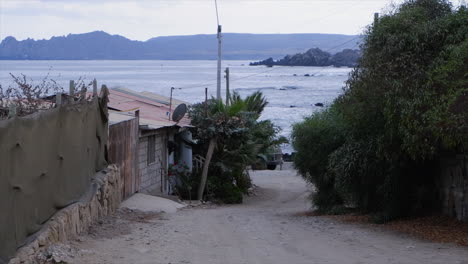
(99, 45)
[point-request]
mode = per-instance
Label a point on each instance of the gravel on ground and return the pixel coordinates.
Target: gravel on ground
(268, 228)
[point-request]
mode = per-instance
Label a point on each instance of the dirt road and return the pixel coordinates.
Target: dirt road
(264, 230)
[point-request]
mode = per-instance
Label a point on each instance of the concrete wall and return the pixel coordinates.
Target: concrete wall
(453, 186)
(153, 175)
(48, 160)
(102, 199)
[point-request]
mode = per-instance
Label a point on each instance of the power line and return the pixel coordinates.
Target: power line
(198, 85)
(255, 74)
(205, 84)
(211, 83)
(321, 70)
(304, 77)
(342, 44)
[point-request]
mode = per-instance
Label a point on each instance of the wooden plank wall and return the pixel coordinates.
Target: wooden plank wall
(123, 151)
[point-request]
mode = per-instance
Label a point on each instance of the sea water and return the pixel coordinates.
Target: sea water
(292, 92)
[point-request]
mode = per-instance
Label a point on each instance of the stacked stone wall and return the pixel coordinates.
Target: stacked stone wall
(102, 199)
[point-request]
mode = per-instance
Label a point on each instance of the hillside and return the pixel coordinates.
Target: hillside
(99, 45)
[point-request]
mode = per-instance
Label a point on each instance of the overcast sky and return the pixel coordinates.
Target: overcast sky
(144, 19)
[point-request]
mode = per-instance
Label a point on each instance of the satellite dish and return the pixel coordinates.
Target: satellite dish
(179, 112)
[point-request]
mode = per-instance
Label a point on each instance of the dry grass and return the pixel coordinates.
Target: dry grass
(440, 229)
(434, 228)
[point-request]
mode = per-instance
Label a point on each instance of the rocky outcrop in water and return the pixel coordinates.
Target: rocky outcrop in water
(315, 57)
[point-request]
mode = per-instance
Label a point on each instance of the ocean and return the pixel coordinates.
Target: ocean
(291, 94)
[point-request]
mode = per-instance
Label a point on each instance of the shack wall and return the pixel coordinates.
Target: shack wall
(153, 173)
(123, 151)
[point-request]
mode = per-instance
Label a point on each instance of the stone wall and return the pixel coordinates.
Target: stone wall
(453, 186)
(102, 199)
(152, 175)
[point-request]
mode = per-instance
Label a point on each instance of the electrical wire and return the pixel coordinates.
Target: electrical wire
(211, 83)
(344, 43)
(202, 84)
(321, 70)
(255, 74)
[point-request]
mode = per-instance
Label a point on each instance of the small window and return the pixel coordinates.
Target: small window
(151, 149)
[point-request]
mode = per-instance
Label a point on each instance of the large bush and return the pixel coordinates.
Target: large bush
(403, 106)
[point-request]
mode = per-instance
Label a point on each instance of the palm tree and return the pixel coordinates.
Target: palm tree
(250, 107)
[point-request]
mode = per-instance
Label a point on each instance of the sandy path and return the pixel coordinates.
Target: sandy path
(262, 230)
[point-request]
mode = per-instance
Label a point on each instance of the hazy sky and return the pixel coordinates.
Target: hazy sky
(143, 19)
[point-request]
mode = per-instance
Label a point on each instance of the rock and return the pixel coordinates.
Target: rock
(315, 57)
(59, 253)
(268, 62)
(14, 261)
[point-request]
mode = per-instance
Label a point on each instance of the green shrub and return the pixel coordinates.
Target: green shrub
(404, 106)
(223, 186)
(184, 182)
(314, 140)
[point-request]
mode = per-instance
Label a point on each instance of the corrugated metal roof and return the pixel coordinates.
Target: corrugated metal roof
(163, 99)
(155, 124)
(117, 117)
(154, 110)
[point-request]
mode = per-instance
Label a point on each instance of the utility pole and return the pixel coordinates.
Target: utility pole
(227, 86)
(170, 104)
(206, 101)
(72, 92)
(218, 88)
(376, 18)
(95, 88)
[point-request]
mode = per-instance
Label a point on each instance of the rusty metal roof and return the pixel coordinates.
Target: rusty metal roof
(117, 117)
(154, 109)
(163, 99)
